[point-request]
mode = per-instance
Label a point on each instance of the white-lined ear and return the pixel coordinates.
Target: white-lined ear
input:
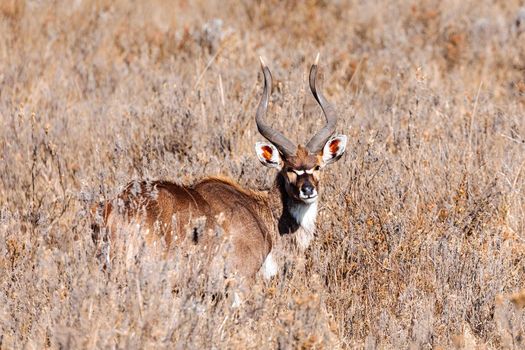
(268, 155)
(334, 149)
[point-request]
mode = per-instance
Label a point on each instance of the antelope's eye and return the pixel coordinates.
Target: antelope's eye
(317, 168)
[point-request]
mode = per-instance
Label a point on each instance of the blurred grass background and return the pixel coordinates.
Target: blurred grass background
(421, 230)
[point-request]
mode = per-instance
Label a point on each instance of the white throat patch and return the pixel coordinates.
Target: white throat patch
(305, 215)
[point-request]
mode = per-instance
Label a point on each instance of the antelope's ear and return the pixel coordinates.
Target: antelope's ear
(334, 149)
(268, 155)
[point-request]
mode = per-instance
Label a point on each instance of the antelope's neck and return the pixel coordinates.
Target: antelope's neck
(294, 217)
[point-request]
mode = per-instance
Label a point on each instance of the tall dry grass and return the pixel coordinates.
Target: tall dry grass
(421, 233)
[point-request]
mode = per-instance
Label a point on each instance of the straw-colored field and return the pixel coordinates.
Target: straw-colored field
(421, 229)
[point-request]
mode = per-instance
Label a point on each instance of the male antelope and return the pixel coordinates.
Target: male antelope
(254, 221)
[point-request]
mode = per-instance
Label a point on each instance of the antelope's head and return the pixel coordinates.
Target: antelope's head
(299, 165)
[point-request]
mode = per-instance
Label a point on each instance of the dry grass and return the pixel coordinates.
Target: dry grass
(421, 235)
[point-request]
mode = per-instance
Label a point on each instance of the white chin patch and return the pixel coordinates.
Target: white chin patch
(308, 199)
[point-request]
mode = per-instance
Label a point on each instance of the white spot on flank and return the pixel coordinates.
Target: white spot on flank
(269, 267)
(237, 300)
(305, 215)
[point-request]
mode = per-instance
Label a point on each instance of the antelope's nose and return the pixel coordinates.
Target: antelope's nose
(307, 189)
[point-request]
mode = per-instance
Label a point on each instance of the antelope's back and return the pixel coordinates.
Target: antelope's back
(161, 208)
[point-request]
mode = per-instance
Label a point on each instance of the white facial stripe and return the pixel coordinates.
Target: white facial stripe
(301, 172)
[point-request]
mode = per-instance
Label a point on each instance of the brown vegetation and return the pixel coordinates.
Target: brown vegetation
(421, 229)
